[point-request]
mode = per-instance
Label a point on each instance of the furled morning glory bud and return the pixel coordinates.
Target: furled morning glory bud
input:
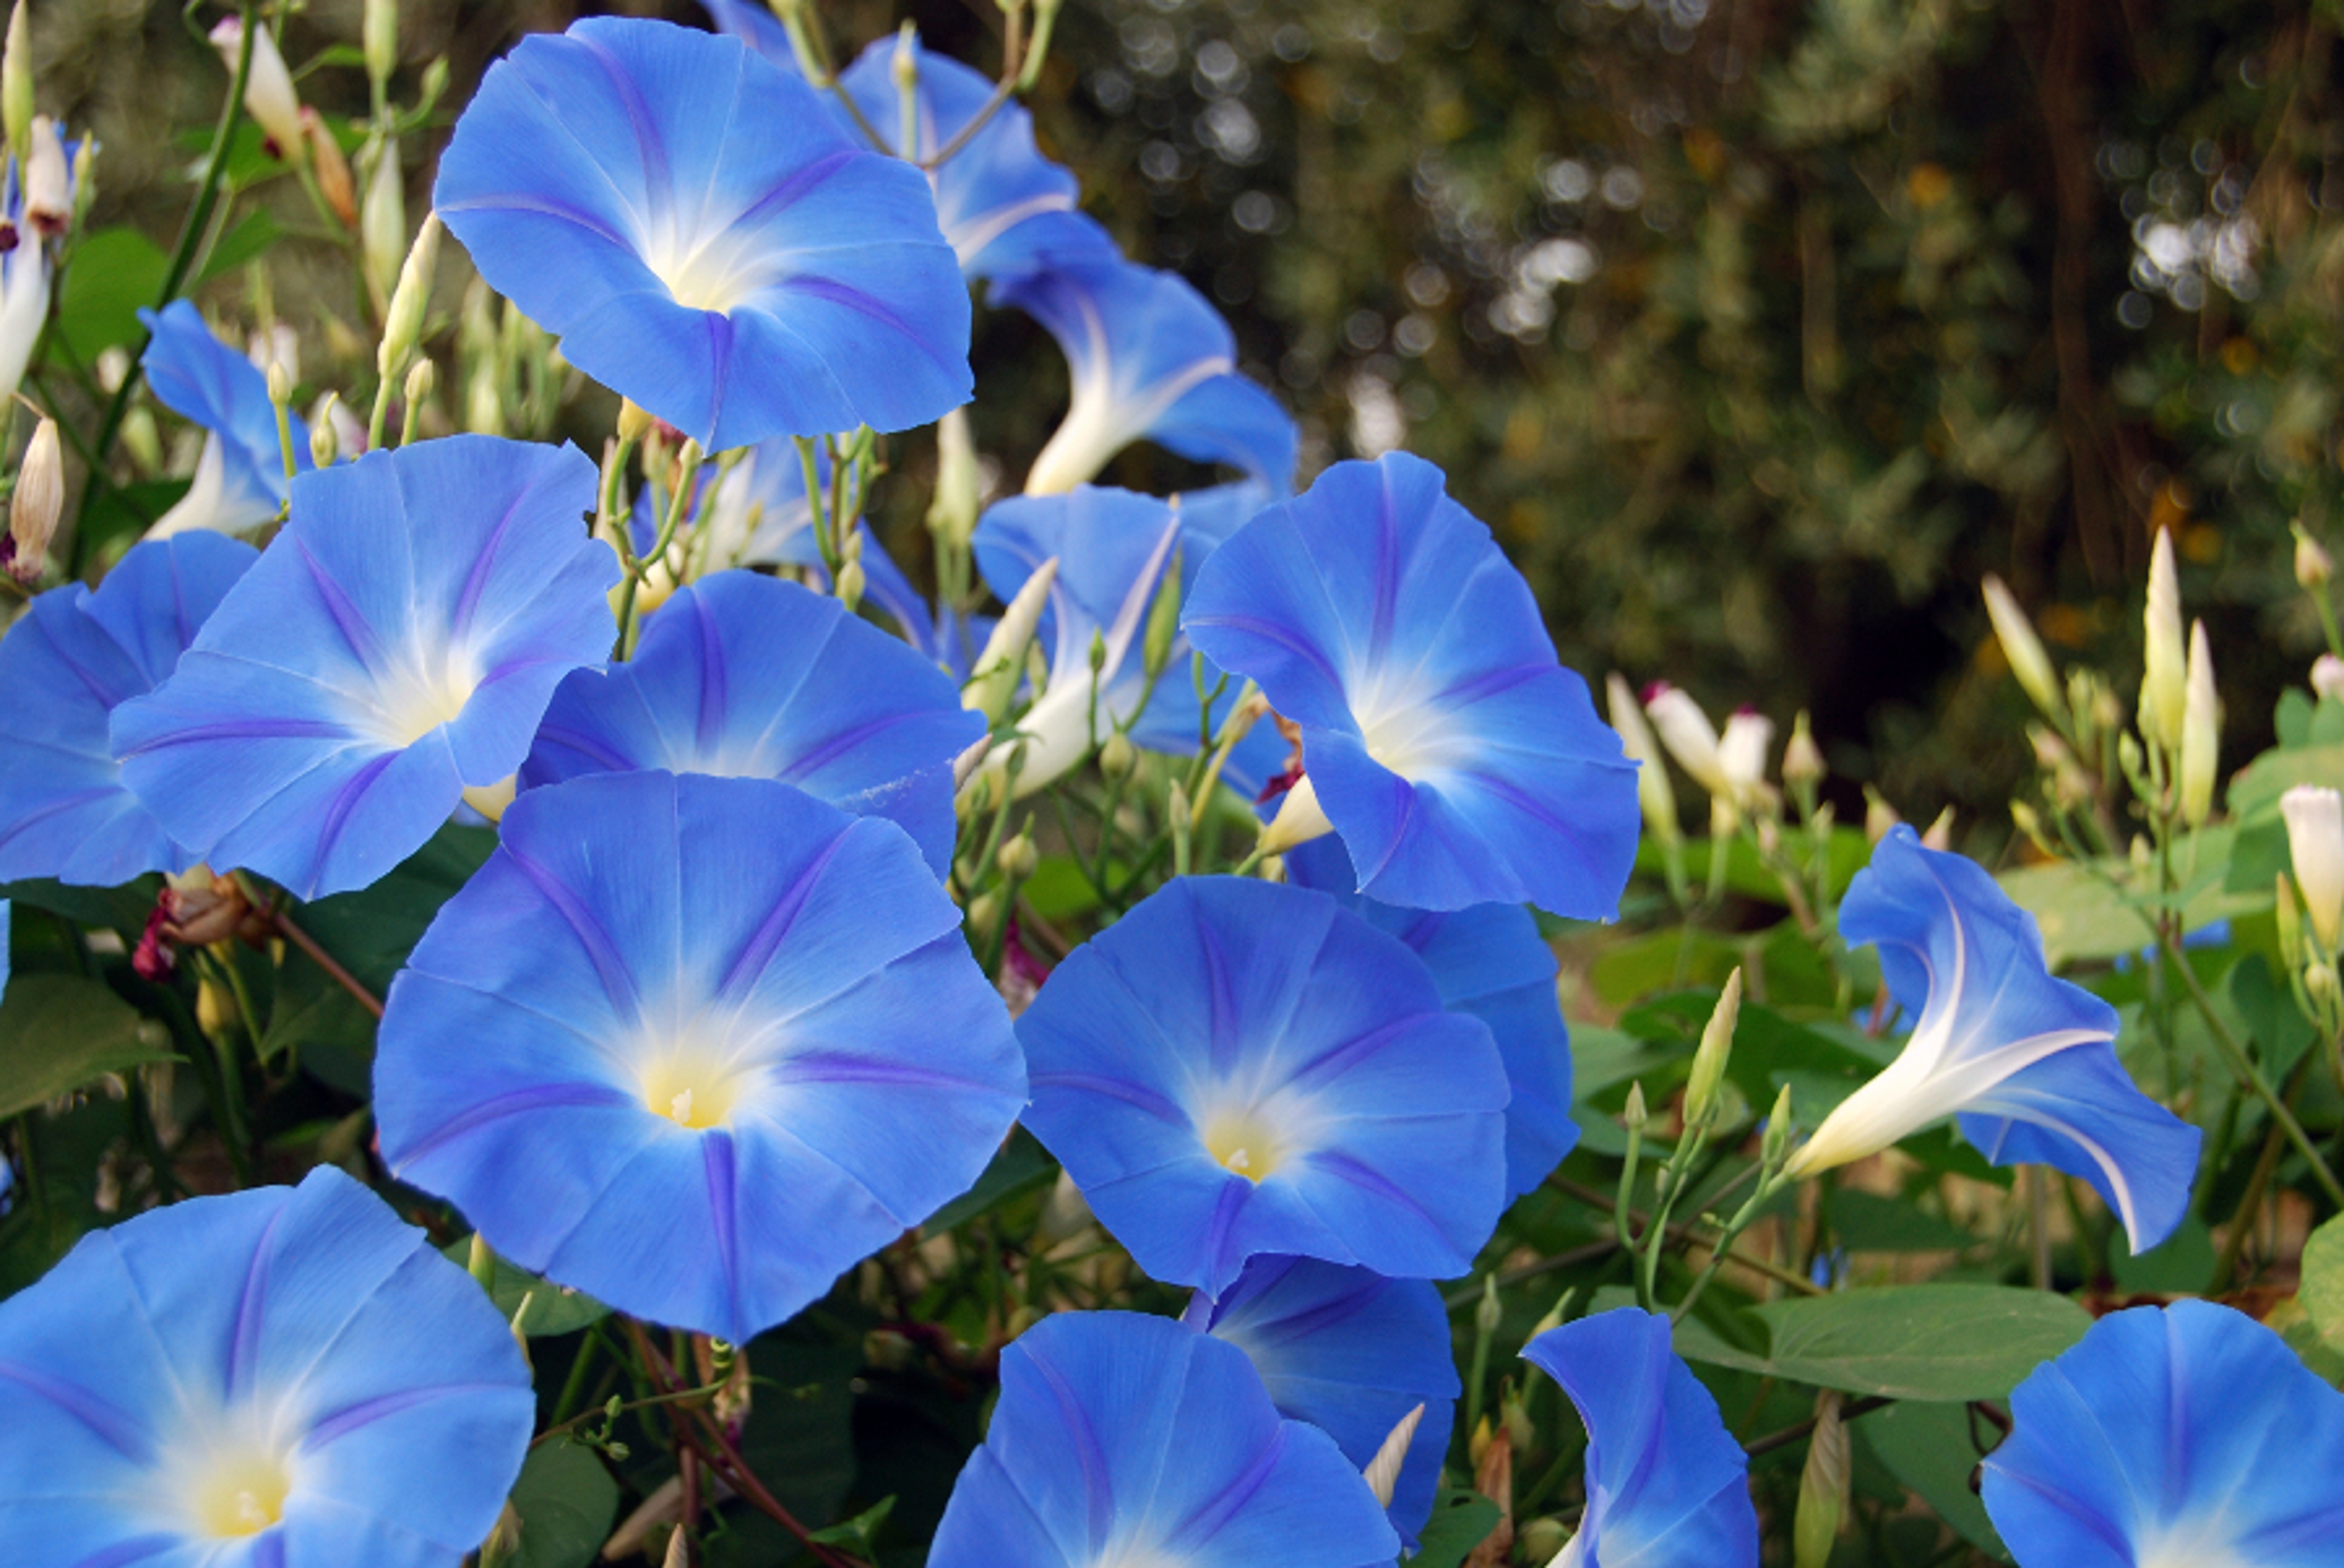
(1716, 1046)
(1803, 759)
(2328, 676)
(952, 515)
(324, 440)
(35, 506)
(1018, 857)
(1939, 834)
(2187, 1436)
(16, 84)
(402, 327)
(2029, 664)
(1654, 796)
(1691, 738)
(2201, 732)
(332, 169)
(2026, 1061)
(2315, 842)
(2314, 567)
(2164, 677)
(49, 182)
(382, 223)
(1117, 756)
(1128, 1440)
(380, 37)
(1667, 1486)
(1879, 816)
(1003, 659)
(1163, 622)
(268, 94)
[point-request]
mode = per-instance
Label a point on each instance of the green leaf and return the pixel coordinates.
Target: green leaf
(1461, 1519)
(108, 278)
(2182, 1264)
(119, 513)
(1867, 1222)
(800, 1442)
(253, 233)
(309, 1009)
(58, 1032)
(2322, 1290)
(1907, 1343)
(2281, 1033)
(1929, 1448)
(567, 1503)
(553, 1310)
(1020, 1167)
(862, 1532)
(2082, 919)
(121, 909)
(371, 932)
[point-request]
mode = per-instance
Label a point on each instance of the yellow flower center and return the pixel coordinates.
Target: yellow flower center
(240, 1493)
(1243, 1142)
(692, 1088)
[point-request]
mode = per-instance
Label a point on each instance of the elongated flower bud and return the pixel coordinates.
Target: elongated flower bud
(2164, 678)
(48, 181)
(402, 327)
(1655, 796)
(1690, 737)
(997, 666)
(2314, 567)
(38, 500)
(2328, 676)
(1879, 816)
(332, 169)
(380, 36)
(1939, 835)
(959, 486)
(16, 84)
(2201, 732)
(1803, 759)
(1823, 1486)
(382, 223)
(1741, 752)
(1716, 1047)
(1383, 1471)
(2029, 664)
(2315, 843)
(1163, 621)
(268, 94)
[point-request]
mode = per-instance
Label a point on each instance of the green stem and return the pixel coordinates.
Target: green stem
(2251, 1076)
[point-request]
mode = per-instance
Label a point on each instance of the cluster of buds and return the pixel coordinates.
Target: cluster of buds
(194, 909)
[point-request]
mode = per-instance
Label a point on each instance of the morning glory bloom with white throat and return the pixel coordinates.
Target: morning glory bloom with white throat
(240, 481)
(704, 236)
(281, 1378)
(2027, 1061)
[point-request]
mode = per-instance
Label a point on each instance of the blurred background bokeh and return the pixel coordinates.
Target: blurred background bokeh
(1758, 331)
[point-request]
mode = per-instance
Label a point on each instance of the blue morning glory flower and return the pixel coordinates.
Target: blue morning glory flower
(1667, 1486)
(704, 236)
(1122, 1441)
(282, 1376)
(1489, 960)
(1351, 1352)
(2187, 1436)
(1003, 205)
(240, 479)
(1456, 760)
(396, 644)
(2026, 1060)
(1150, 360)
(746, 677)
(1113, 547)
(70, 658)
(1238, 1068)
(754, 23)
(695, 1045)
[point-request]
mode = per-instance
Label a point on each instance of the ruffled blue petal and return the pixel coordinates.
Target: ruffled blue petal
(2188, 1433)
(1122, 1440)
(1459, 762)
(1238, 1068)
(746, 677)
(1150, 360)
(398, 641)
(2026, 1057)
(201, 378)
(74, 655)
(695, 1045)
(1351, 1352)
(705, 238)
(1489, 960)
(307, 1331)
(999, 201)
(1667, 1486)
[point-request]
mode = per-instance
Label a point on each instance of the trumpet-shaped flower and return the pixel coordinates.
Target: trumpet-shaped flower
(1113, 547)
(397, 642)
(1351, 1352)
(705, 238)
(1667, 1486)
(745, 676)
(2026, 1060)
(240, 479)
(1003, 205)
(281, 1376)
(2187, 1436)
(1238, 1068)
(1150, 360)
(31, 219)
(1126, 1442)
(1490, 961)
(69, 660)
(1456, 760)
(693, 1045)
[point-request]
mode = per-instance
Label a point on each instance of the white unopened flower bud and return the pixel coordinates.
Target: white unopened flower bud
(852, 581)
(16, 84)
(2315, 843)
(2328, 676)
(2029, 664)
(380, 34)
(382, 223)
(1939, 835)
(38, 500)
(2164, 685)
(1741, 752)
(1716, 1047)
(2201, 732)
(268, 94)
(998, 665)
(2314, 567)
(1655, 795)
(1383, 1471)
(960, 486)
(1879, 816)
(325, 439)
(1687, 734)
(1117, 756)
(1803, 759)
(48, 181)
(402, 326)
